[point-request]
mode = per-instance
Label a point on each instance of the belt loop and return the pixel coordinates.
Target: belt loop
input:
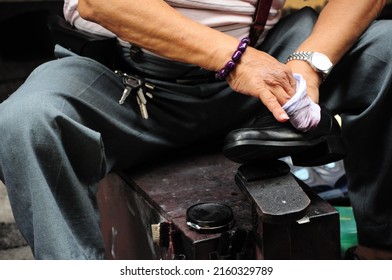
(135, 53)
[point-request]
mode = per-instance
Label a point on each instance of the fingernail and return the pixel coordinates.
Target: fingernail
(284, 116)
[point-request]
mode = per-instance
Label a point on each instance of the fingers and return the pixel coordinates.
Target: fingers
(279, 95)
(290, 85)
(272, 104)
(281, 83)
(282, 96)
(287, 82)
(274, 97)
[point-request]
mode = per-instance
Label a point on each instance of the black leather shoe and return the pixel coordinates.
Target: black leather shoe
(269, 139)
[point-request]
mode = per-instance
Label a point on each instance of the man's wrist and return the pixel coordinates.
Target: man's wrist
(319, 62)
(224, 72)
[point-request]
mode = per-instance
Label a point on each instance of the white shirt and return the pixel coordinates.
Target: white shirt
(232, 17)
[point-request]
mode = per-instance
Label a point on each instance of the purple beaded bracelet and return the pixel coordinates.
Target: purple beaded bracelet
(235, 58)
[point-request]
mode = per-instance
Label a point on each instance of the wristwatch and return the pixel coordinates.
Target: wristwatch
(318, 61)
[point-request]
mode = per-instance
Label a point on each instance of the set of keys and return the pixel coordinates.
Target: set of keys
(136, 84)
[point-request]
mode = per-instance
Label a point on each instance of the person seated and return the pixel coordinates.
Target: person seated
(193, 72)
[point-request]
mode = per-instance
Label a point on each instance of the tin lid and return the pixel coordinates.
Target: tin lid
(210, 216)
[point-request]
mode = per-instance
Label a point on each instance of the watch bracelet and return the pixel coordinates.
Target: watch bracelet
(302, 55)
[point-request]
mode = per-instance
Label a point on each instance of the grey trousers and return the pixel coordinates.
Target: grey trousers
(63, 130)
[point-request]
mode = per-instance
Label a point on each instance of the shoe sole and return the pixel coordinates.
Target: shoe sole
(320, 151)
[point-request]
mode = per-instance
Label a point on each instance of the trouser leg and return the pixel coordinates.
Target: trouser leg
(291, 31)
(359, 88)
(52, 156)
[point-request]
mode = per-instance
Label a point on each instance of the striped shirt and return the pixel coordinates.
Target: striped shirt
(232, 17)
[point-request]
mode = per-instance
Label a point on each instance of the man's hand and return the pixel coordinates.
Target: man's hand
(312, 78)
(260, 75)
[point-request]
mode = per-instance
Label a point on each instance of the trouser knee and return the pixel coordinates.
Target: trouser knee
(23, 119)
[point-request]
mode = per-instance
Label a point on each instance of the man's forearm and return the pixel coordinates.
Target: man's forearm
(156, 26)
(340, 25)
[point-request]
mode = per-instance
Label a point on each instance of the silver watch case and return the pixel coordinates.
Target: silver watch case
(318, 61)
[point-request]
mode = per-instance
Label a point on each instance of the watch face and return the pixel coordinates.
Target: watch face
(321, 62)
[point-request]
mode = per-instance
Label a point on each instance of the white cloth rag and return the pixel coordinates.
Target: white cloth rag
(304, 114)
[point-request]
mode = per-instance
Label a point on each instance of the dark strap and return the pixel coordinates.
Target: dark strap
(259, 20)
